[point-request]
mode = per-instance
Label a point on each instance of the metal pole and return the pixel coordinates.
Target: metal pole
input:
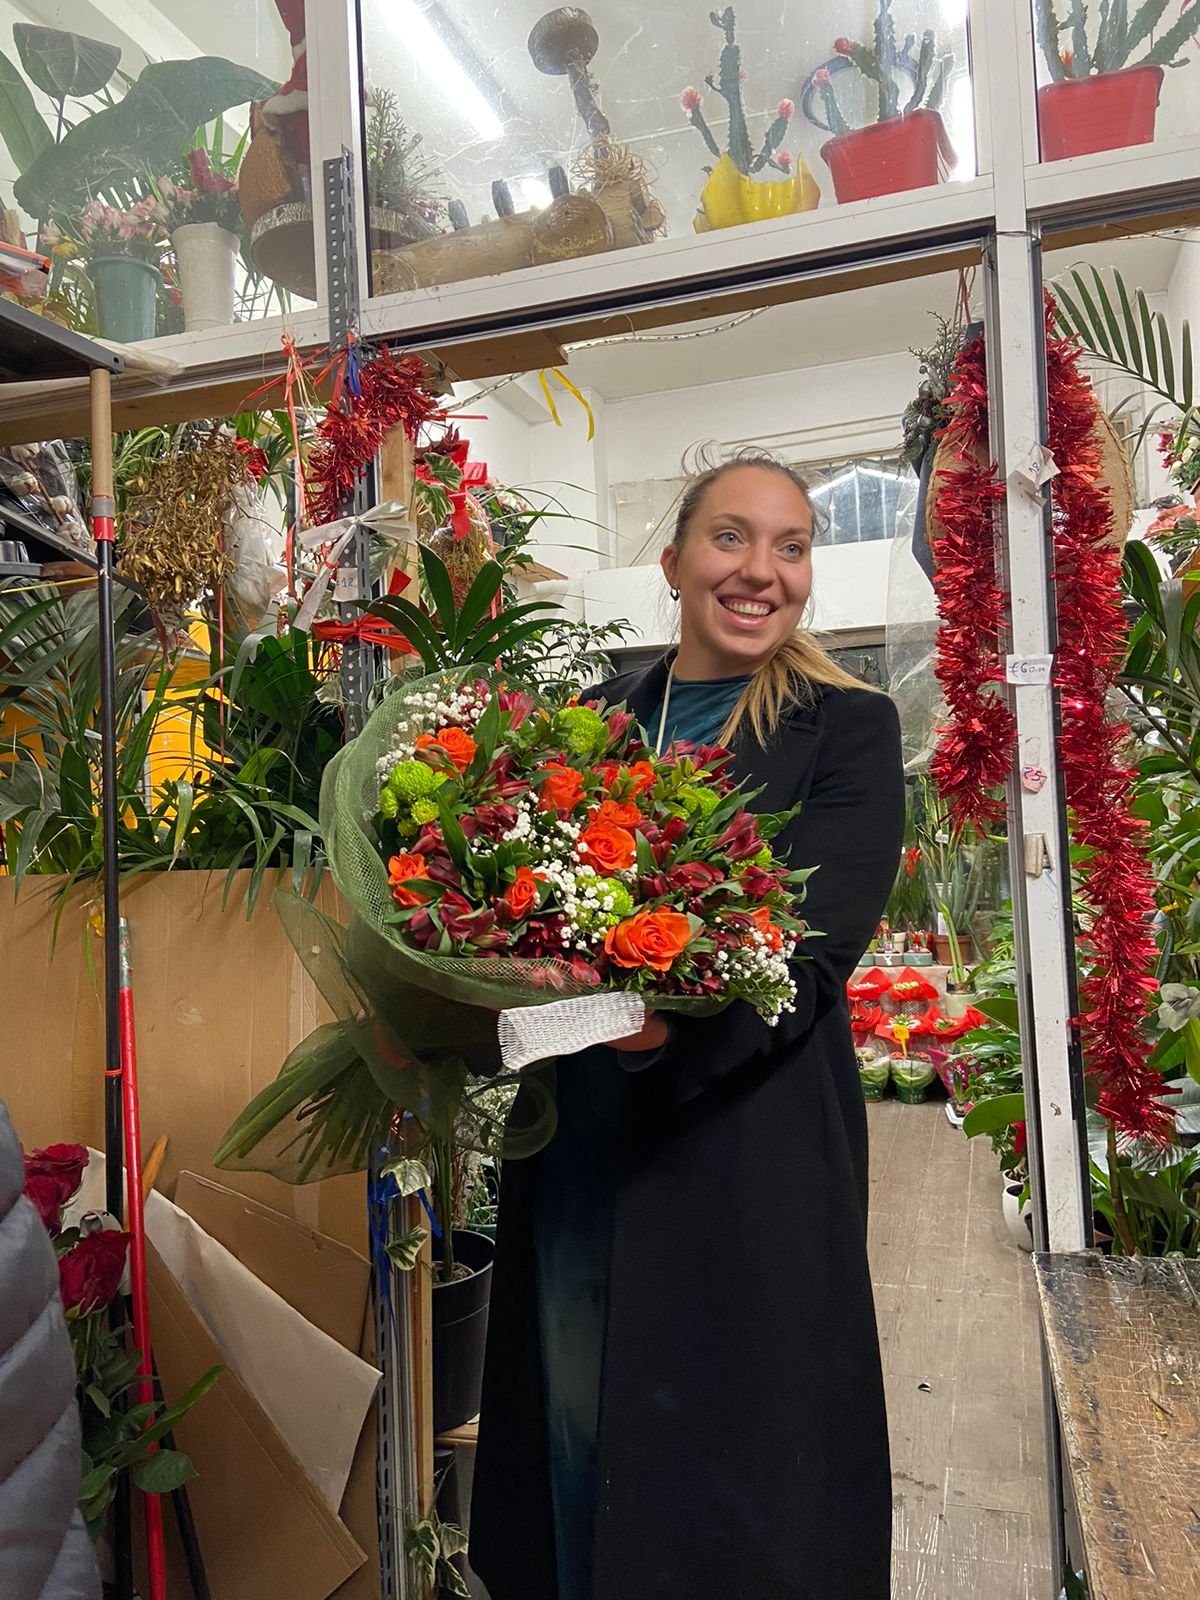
(397, 1484)
(104, 529)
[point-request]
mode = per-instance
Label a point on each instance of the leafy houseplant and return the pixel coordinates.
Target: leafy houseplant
(906, 147)
(205, 223)
(122, 250)
(1105, 86)
(731, 195)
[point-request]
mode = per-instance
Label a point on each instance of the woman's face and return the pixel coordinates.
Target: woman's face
(743, 571)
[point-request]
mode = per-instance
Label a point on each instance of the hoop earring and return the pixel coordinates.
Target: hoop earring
(674, 594)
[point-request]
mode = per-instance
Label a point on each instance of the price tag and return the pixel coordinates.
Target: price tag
(1029, 670)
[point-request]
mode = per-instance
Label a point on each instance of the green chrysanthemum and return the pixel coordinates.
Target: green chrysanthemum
(407, 828)
(702, 801)
(424, 811)
(389, 806)
(582, 730)
(412, 780)
(591, 921)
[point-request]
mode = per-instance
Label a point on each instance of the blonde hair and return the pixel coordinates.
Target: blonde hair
(799, 663)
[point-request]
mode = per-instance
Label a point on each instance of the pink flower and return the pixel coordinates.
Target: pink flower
(844, 46)
(690, 100)
(203, 176)
(821, 77)
(782, 159)
(786, 109)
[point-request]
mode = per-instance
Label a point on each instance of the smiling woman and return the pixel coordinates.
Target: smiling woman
(650, 1423)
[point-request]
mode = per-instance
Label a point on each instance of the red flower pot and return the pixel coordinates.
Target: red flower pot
(1107, 112)
(908, 152)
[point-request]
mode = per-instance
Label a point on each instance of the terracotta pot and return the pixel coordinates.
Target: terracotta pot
(908, 152)
(1105, 112)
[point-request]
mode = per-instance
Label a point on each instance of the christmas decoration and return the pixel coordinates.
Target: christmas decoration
(1114, 879)
(974, 750)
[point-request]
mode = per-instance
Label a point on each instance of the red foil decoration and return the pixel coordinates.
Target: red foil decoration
(975, 744)
(392, 393)
(1114, 878)
(975, 748)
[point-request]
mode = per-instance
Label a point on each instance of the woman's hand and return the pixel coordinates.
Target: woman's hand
(650, 1036)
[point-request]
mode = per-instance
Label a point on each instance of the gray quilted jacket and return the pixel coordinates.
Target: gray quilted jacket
(45, 1553)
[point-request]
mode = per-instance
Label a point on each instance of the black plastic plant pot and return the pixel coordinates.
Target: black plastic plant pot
(460, 1318)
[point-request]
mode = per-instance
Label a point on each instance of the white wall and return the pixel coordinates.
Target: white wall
(815, 413)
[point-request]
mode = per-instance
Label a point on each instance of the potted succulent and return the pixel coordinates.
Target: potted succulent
(906, 147)
(122, 250)
(200, 201)
(733, 192)
(1104, 89)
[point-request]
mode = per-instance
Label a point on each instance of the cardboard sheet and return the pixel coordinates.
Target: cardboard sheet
(263, 1529)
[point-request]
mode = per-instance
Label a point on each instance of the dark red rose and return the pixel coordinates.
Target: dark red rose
(89, 1275)
(63, 1160)
(48, 1192)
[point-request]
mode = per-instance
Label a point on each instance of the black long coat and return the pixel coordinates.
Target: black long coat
(743, 1449)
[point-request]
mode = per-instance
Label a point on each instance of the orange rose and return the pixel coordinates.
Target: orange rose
(761, 917)
(643, 776)
(621, 813)
(400, 869)
(456, 743)
(522, 894)
(562, 790)
(607, 847)
(649, 939)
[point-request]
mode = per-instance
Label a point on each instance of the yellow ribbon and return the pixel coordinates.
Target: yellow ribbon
(544, 377)
(44, 583)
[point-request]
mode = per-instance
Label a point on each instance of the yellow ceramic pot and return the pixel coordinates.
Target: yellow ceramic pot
(729, 197)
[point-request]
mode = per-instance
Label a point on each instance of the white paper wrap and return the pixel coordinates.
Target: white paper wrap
(537, 1033)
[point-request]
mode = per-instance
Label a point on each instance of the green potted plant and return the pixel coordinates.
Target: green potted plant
(913, 1075)
(874, 1066)
(122, 250)
(1104, 85)
(906, 147)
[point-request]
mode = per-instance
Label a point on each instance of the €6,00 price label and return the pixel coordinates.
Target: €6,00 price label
(1029, 670)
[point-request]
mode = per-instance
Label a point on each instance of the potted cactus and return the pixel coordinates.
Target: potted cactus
(734, 192)
(906, 146)
(1099, 96)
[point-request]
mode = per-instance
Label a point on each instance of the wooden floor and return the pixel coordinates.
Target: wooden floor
(958, 1326)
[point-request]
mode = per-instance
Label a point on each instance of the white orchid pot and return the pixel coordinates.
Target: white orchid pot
(1018, 1218)
(205, 253)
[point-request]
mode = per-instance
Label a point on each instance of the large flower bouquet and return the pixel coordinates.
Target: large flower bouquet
(502, 853)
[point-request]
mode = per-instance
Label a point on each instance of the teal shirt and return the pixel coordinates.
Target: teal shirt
(696, 710)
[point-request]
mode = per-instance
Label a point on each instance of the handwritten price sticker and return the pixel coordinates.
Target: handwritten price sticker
(1029, 671)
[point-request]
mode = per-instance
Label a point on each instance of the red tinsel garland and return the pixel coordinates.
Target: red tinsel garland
(1115, 879)
(975, 747)
(392, 392)
(975, 744)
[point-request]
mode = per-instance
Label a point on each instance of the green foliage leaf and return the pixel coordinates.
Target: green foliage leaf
(154, 122)
(162, 1472)
(410, 1175)
(404, 1251)
(22, 126)
(990, 1116)
(1001, 1009)
(64, 65)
